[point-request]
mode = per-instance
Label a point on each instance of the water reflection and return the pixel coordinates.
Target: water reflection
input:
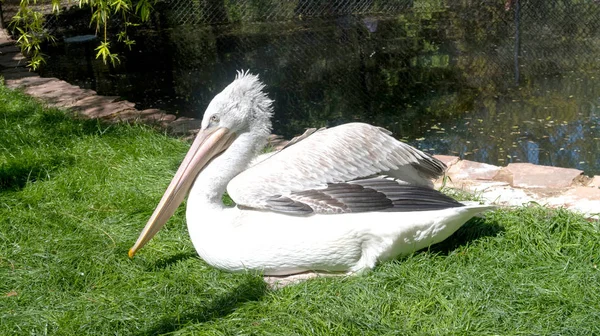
(554, 121)
(441, 80)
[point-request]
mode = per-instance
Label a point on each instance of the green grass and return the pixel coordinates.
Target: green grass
(75, 194)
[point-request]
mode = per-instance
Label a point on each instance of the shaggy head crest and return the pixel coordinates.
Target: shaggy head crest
(245, 101)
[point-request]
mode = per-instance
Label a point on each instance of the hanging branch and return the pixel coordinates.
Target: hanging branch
(28, 22)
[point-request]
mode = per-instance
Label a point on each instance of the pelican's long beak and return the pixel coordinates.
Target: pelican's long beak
(208, 144)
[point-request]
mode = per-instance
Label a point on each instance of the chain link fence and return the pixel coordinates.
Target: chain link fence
(398, 63)
(410, 43)
(494, 42)
(364, 42)
(10, 8)
(219, 11)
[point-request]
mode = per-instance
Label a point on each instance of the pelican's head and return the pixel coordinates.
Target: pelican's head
(242, 107)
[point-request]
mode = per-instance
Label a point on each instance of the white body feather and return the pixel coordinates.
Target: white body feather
(278, 244)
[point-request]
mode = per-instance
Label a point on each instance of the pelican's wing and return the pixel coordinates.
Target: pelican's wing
(295, 140)
(306, 134)
(332, 170)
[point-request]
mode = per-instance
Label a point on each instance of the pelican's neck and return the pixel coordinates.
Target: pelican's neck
(211, 183)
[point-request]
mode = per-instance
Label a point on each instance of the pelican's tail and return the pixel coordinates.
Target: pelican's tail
(476, 209)
(453, 220)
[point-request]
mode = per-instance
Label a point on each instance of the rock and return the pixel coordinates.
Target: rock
(527, 175)
(17, 73)
(277, 282)
(149, 116)
(594, 182)
(502, 193)
(80, 39)
(9, 49)
(5, 39)
(12, 60)
(184, 125)
(585, 200)
(46, 87)
(58, 93)
(471, 170)
(100, 106)
(24, 82)
(448, 160)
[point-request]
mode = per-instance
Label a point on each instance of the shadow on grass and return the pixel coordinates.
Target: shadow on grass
(250, 290)
(16, 173)
(474, 229)
(164, 263)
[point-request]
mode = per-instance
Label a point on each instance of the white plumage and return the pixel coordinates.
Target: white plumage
(334, 155)
(338, 201)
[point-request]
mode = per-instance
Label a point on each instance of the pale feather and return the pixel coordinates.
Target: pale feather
(335, 155)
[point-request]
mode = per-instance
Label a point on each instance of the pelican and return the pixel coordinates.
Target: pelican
(341, 200)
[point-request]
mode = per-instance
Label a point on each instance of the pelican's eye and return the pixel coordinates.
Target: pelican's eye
(214, 118)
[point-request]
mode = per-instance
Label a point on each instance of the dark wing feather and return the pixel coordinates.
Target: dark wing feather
(375, 194)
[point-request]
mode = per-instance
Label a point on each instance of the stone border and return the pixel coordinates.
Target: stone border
(514, 185)
(519, 184)
(80, 102)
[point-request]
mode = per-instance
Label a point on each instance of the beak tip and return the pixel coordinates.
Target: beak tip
(131, 253)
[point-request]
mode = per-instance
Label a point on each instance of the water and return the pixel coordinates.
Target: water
(436, 80)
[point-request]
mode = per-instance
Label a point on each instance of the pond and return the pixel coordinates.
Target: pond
(446, 84)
